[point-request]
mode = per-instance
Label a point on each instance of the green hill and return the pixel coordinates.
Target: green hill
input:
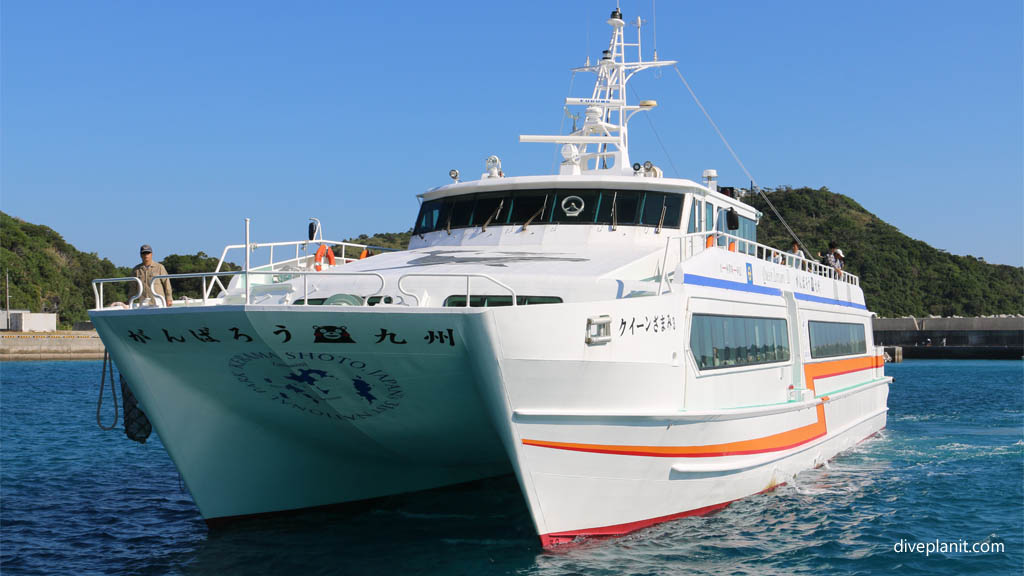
(900, 276)
(49, 275)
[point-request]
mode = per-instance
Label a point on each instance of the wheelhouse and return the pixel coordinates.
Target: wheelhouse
(698, 211)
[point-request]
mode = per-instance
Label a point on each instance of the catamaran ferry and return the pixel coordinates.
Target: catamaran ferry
(617, 339)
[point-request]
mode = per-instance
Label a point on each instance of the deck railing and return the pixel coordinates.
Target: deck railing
(690, 245)
(467, 276)
(302, 255)
(279, 272)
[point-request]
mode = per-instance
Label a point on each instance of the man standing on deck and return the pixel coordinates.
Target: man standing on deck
(147, 270)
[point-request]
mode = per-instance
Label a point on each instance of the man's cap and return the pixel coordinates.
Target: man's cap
(146, 248)
(840, 253)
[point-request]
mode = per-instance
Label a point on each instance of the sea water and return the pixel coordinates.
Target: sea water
(949, 468)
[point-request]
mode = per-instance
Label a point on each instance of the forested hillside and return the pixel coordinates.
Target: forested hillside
(49, 275)
(900, 276)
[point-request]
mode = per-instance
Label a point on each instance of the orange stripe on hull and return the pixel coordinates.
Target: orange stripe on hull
(773, 443)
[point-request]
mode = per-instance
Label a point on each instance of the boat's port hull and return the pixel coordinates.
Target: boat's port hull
(256, 425)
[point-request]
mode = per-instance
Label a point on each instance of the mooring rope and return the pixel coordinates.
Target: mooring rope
(113, 393)
(753, 183)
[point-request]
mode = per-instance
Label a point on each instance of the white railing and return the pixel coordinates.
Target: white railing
(277, 265)
(697, 242)
(97, 289)
(468, 277)
(249, 297)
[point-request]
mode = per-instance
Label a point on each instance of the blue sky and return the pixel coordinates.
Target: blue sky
(169, 122)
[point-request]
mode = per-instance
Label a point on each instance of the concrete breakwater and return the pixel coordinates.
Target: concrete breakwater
(975, 338)
(61, 345)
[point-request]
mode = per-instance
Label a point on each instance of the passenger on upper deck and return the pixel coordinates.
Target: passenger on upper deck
(797, 252)
(831, 259)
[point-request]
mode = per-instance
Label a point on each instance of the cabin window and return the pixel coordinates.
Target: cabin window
(526, 205)
(460, 212)
(487, 301)
(490, 206)
(709, 217)
(567, 200)
(729, 341)
(432, 216)
(627, 205)
(663, 209)
(694, 222)
(312, 301)
(632, 207)
(836, 339)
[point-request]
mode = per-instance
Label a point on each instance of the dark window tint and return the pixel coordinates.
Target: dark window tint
(432, 217)
(626, 203)
(663, 209)
(492, 206)
(516, 207)
(312, 301)
(460, 212)
(567, 200)
(528, 205)
(836, 339)
(727, 341)
(673, 210)
(485, 301)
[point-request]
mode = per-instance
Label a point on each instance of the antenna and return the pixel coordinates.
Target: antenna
(602, 138)
(654, 24)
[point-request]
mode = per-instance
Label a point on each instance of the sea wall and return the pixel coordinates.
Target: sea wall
(953, 337)
(63, 345)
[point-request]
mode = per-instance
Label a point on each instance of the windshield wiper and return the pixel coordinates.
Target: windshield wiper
(615, 214)
(493, 215)
(537, 213)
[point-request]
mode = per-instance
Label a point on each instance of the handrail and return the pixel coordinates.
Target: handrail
(303, 273)
(304, 244)
(203, 275)
(788, 259)
(97, 289)
(467, 275)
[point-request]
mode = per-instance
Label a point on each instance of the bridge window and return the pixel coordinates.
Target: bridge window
(836, 339)
(433, 215)
(663, 209)
(568, 201)
(632, 207)
(729, 341)
(526, 205)
(486, 301)
(627, 205)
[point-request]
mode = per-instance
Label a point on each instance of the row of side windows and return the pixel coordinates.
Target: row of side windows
(724, 341)
(727, 341)
(623, 207)
(836, 339)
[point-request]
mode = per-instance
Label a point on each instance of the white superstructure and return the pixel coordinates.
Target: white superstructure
(615, 338)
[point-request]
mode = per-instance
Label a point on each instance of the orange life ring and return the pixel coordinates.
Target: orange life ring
(364, 254)
(710, 241)
(323, 249)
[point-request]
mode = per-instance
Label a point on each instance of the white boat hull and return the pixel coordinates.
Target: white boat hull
(600, 446)
(248, 440)
(270, 413)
